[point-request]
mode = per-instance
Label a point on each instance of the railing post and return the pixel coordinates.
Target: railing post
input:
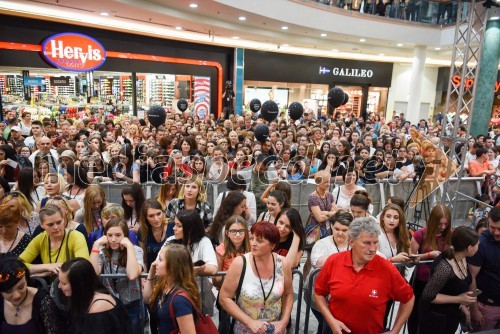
(299, 300)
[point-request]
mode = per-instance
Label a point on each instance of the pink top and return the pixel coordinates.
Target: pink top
(221, 250)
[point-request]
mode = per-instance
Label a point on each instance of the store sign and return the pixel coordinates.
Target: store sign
(59, 81)
(346, 72)
(202, 97)
(73, 52)
(32, 81)
(470, 82)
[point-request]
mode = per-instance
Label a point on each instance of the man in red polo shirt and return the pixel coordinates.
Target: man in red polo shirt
(360, 283)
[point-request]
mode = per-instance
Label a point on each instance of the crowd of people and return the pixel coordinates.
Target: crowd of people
(72, 260)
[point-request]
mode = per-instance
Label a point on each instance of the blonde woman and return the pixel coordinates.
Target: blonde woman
(28, 219)
(93, 203)
(54, 185)
(192, 196)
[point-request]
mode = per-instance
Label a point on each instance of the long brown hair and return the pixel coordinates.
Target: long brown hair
(179, 269)
(145, 225)
(439, 211)
(229, 250)
(164, 189)
(401, 231)
(91, 193)
(122, 224)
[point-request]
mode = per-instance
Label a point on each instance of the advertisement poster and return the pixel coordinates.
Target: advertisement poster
(202, 97)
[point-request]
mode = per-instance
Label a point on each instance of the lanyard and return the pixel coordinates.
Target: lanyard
(113, 280)
(59, 250)
(338, 250)
(389, 241)
(260, 280)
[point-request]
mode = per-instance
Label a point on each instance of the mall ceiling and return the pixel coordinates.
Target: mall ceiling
(213, 22)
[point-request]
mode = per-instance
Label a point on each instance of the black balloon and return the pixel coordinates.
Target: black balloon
(336, 97)
(296, 110)
(255, 105)
(157, 116)
(261, 132)
(346, 98)
(269, 110)
(182, 105)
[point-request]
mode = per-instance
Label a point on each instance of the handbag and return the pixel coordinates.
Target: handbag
(238, 291)
(203, 324)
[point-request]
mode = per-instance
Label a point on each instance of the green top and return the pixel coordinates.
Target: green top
(75, 244)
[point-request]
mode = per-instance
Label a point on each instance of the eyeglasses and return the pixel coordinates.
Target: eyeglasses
(14, 194)
(237, 232)
(4, 277)
(175, 152)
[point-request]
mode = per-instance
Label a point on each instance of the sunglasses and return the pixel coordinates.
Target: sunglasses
(4, 277)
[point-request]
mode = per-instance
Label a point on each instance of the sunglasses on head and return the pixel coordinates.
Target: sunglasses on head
(4, 277)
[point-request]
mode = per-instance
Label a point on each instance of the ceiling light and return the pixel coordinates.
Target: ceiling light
(381, 54)
(400, 44)
(437, 49)
(362, 40)
(178, 28)
(242, 18)
(104, 14)
(284, 28)
(323, 35)
(236, 37)
(285, 45)
(193, 5)
(494, 18)
(335, 50)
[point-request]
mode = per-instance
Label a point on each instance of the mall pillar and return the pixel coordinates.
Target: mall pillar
(416, 81)
(486, 77)
(239, 56)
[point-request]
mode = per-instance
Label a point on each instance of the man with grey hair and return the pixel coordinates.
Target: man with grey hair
(360, 283)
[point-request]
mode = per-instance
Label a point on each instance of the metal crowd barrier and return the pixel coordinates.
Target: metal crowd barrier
(379, 192)
(223, 274)
(310, 289)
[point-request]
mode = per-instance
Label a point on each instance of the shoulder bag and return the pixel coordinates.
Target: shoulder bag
(203, 324)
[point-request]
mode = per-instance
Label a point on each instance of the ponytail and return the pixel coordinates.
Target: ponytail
(461, 238)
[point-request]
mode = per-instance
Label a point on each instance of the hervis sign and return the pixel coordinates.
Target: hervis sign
(73, 52)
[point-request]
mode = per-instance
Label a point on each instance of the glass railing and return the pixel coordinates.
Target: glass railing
(423, 11)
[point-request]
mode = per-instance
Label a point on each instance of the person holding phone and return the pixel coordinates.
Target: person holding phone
(114, 253)
(448, 291)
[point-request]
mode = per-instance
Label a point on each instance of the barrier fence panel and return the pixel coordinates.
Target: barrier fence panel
(379, 193)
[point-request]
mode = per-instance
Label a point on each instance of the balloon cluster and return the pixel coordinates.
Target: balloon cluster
(337, 97)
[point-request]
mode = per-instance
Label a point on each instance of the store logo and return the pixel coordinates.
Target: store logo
(352, 72)
(74, 52)
(324, 70)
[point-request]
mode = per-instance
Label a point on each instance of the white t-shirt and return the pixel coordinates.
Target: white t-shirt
(344, 202)
(323, 247)
(385, 246)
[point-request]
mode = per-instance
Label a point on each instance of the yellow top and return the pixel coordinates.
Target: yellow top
(75, 246)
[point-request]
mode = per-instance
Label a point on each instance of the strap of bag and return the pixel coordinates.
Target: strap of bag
(338, 194)
(181, 292)
(67, 246)
(238, 290)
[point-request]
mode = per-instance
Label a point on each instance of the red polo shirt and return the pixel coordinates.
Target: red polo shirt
(358, 299)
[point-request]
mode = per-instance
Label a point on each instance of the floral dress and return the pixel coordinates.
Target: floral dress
(251, 300)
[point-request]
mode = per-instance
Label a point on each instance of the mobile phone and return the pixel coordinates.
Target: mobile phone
(477, 292)
(413, 256)
(199, 263)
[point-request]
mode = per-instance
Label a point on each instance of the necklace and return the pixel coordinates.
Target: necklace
(13, 242)
(260, 280)
(460, 268)
(18, 307)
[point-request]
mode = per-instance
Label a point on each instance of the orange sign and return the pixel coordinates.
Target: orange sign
(470, 82)
(74, 52)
